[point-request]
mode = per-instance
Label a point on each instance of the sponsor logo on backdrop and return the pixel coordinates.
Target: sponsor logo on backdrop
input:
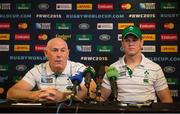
(39, 48)
(63, 6)
(168, 26)
(169, 48)
(169, 69)
(105, 6)
(168, 5)
(45, 26)
(63, 36)
(34, 58)
(23, 6)
(22, 36)
(104, 48)
(4, 67)
(83, 48)
(22, 26)
(172, 81)
(170, 15)
(48, 16)
(5, 6)
(119, 37)
(104, 37)
(4, 47)
(43, 6)
(3, 78)
(147, 26)
(125, 6)
(5, 25)
(147, 6)
(21, 67)
(122, 26)
(17, 78)
(84, 6)
(94, 16)
(149, 37)
(15, 16)
(169, 37)
(65, 26)
(21, 47)
(174, 93)
(84, 26)
(88, 58)
(4, 36)
(142, 15)
(42, 36)
(149, 48)
(104, 26)
(165, 59)
(84, 37)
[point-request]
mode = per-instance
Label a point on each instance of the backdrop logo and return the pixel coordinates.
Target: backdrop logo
(5, 25)
(147, 26)
(21, 47)
(126, 6)
(43, 6)
(63, 6)
(87, 58)
(105, 6)
(147, 6)
(5, 6)
(174, 93)
(169, 48)
(104, 37)
(142, 15)
(168, 26)
(22, 36)
(84, 26)
(169, 37)
(39, 48)
(169, 69)
(119, 37)
(4, 36)
(42, 36)
(4, 47)
(23, 6)
(34, 58)
(22, 25)
(83, 48)
(104, 48)
(21, 67)
(46, 26)
(4, 67)
(149, 37)
(64, 36)
(104, 26)
(172, 81)
(84, 37)
(84, 6)
(149, 48)
(3, 78)
(124, 25)
(168, 5)
(170, 15)
(63, 26)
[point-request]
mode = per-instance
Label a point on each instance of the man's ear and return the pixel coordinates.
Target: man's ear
(45, 52)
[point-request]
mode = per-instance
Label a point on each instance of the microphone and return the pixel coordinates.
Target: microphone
(88, 74)
(112, 74)
(99, 78)
(76, 80)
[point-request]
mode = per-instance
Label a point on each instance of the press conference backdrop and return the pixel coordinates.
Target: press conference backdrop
(92, 29)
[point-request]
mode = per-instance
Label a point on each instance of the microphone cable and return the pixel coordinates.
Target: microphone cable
(61, 104)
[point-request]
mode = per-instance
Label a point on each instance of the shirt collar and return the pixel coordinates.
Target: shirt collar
(141, 64)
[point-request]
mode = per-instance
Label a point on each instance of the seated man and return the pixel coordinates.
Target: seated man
(51, 78)
(139, 79)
